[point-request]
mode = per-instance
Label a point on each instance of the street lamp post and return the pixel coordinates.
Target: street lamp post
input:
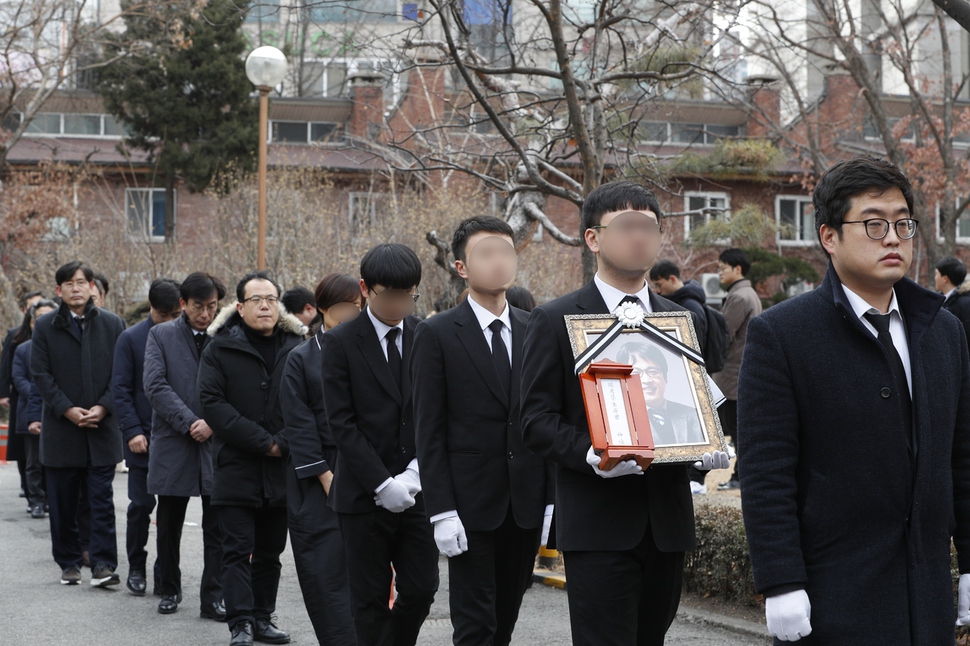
(265, 67)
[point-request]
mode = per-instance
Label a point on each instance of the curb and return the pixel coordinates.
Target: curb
(685, 613)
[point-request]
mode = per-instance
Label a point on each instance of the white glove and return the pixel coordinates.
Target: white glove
(788, 615)
(716, 460)
(410, 479)
(449, 536)
(624, 468)
(394, 497)
(963, 603)
(546, 525)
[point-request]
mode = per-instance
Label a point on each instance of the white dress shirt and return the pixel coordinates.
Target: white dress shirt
(612, 296)
(485, 318)
(897, 327)
(382, 330)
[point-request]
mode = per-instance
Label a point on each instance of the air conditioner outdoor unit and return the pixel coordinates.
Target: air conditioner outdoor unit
(712, 288)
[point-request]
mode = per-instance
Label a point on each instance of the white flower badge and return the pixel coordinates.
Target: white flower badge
(630, 315)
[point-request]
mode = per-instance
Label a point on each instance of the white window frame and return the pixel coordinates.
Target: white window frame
(61, 133)
(798, 199)
(60, 229)
(939, 231)
(352, 64)
(146, 236)
(707, 216)
(372, 217)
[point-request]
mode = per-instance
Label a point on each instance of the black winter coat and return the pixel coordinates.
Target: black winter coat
(239, 394)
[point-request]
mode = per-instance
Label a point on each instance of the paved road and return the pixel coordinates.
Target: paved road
(40, 611)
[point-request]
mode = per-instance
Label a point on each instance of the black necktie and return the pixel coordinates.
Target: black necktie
(394, 357)
(629, 298)
(881, 323)
(500, 356)
(199, 339)
(78, 323)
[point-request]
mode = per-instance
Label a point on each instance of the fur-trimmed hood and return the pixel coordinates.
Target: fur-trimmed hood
(964, 287)
(228, 317)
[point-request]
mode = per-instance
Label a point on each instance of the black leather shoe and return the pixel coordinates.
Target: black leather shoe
(37, 511)
(242, 634)
(215, 611)
(268, 633)
(167, 606)
(136, 582)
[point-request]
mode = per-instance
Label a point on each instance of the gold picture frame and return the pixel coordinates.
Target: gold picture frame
(683, 416)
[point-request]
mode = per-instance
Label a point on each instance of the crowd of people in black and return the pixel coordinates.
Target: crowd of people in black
(377, 440)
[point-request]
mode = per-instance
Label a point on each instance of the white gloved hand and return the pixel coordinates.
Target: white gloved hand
(546, 525)
(963, 601)
(410, 479)
(789, 615)
(716, 460)
(449, 536)
(624, 468)
(394, 497)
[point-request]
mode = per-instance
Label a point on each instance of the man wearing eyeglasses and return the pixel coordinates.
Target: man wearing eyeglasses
(239, 381)
(854, 402)
(376, 488)
(623, 532)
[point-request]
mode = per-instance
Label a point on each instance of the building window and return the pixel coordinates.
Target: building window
(963, 225)
(264, 11)
(301, 132)
(75, 125)
(703, 134)
(145, 213)
(796, 220)
(695, 201)
(59, 229)
(367, 209)
(355, 11)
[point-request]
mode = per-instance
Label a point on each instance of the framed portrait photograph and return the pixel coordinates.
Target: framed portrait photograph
(681, 406)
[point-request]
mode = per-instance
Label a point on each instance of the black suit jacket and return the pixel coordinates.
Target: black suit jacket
(593, 513)
(371, 421)
(469, 441)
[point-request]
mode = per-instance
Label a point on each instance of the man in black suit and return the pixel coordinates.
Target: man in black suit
(376, 486)
(854, 402)
(623, 532)
(485, 493)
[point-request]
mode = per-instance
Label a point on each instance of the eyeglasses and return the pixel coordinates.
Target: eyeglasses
(257, 300)
(630, 222)
(397, 294)
(878, 228)
(74, 283)
(198, 307)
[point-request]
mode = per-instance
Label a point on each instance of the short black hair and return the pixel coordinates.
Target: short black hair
(736, 258)
(103, 280)
(66, 272)
(392, 265)
(952, 268)
(336, 288)
(848, 178)
(647, 351)
(24, 332)
(520, 297)
(30, 295)
(253, 275)
(474, 225)
(616, 196)
(200, 286)
(664, 269)
(296, 298)
(163, 294)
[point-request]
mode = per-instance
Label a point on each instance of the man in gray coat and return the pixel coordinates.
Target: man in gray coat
(741, 305)
(71, 358)
(180, 462)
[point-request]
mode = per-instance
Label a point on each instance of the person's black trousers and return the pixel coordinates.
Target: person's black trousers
(36, 493)
(169, 520)
(623, 598)
(63, 486)
(486, 583)
(373, 542)
(249, 586)
(140, 507)
(728, 412)
(320, 564)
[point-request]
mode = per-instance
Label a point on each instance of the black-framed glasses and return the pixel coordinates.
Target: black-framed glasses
(397, 294)
(631, 221)
(878, 228)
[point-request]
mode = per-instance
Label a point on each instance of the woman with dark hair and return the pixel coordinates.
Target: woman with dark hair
(520, 297)
(29, 409)
(314, 531)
